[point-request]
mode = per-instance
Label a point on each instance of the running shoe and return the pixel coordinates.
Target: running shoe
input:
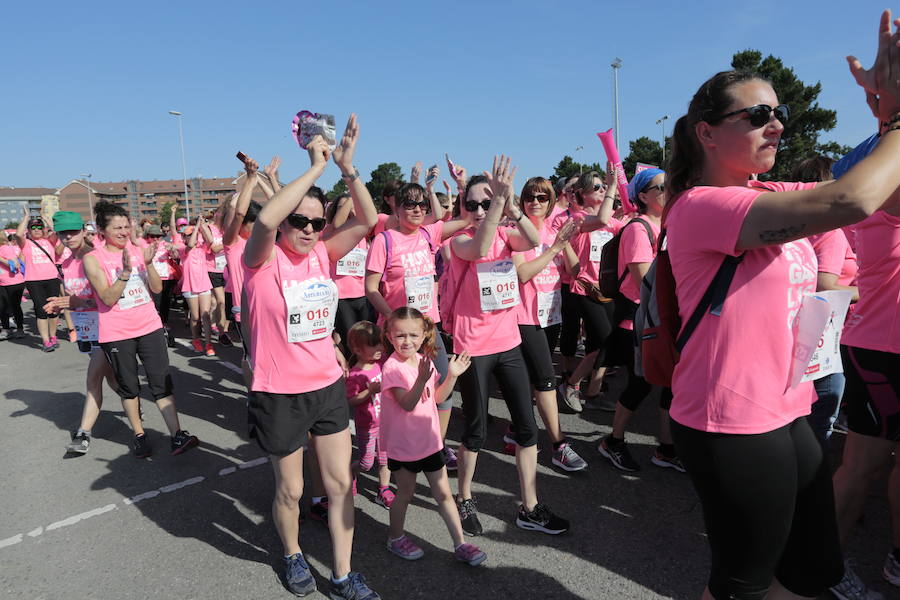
(541, 519)
(140, 446)
(197, 344)
(73, 336)
(509, 449)
(19, 334)
(4, 335)
(210, 351)
(55, 341)
(618, 454)
(214, 329)
(404, 548)
(170, 338)
(450, 459)
(891, 570)
(385, 497)
(80, 443)
(319, 511)
(509, 435)
(570, 396)
(225, 340)
(667, 462)
(352, 588)
(183, 441)
(297, 578)
(470, 554)
(47, 346)
(852, 587)
(468, 515)
(567, 459)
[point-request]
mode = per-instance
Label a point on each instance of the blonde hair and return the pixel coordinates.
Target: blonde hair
(404, 313)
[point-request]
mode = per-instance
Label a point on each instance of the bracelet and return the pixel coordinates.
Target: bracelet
(123, 280)
(519, 218)
(350, 177)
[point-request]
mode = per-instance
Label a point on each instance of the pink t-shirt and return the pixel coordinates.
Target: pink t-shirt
(38, 265)
(195, 275)
(365, 415)
(556, 211)
(350, 284)
(556, 221)
(66, 253)
(235, 281)
(75, 279)
(134, 314)
(414, 434)
(635, 247)
(404, 282)
(588, 246)
(381, 225)
(547, 282)
(215, 261)
(279, 366)
(835, 256)
(7, 277)
(734, 370)
(482, 332)
(875, 322)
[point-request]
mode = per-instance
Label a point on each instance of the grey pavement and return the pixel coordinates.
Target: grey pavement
(109, 526)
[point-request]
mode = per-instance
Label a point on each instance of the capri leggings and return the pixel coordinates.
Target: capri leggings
(350, 311)
(571, 323)
(369, 442)
(40, 291)
(11, 304)
(598, 318)
(768, 506)
(151, 348)
(163, 300)
(538, 360)
(474, 386)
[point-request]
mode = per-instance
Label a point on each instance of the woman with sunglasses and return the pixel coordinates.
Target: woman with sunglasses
(540, 311)
(196, 286)
(298, 385)
(38, 246)
(12, 286)
(594, 200)
(123, 276)
(485, 324)
(739, 428)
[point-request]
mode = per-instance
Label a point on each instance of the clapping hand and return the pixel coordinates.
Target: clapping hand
(271, 169)
(881, 82)
(458, 364)
(501, 177)
(425, 370)
(150, 252)
(318, 151)
(343, 152)
(126, 262)
(566, 233)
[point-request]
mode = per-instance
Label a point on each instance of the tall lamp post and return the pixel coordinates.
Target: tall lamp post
(187, 202)
(580, 166)
(616, 65)
(662, 121)
(90, 194)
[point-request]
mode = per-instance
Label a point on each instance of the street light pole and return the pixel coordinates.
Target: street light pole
(662, 121)
(580, 166)
(616, 65)
(187, 202)
(90, 194)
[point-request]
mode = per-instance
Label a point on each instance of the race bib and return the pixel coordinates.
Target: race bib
(353, 263)
(311, 308)
(87, 325)
(162, 269)
(221, 261)
(598, 240)
(419, 290)
(826, 357)
(135, 293)
(499, 284)
(549, 308)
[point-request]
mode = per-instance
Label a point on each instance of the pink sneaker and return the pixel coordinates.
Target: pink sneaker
(54, 341)
(470, 553)
(385, 497)
(404, 548)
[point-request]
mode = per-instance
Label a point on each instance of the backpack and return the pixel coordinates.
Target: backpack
(658, 332)
(610, 281)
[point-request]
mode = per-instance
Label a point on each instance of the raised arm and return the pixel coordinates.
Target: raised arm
(500, 180)
(271, 171)
(607, 211)
(528, 270)
(22, 228)
(239, 209)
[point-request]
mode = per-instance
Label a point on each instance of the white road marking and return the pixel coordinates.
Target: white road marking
(254, 463)
(10, 541)
(139, 497)
(227, 471)
(81, 517)
(181, 484)
(36, 532)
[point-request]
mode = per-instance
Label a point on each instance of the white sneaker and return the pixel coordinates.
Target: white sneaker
(852, 587)
(570, 395)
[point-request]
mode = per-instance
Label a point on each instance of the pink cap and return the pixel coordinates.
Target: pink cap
(181, 221)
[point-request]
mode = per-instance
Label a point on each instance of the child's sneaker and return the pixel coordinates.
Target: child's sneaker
(55, 341)
(197, 344)
(210, 351)
(47, 346)
(385, 497)
(404, 548)
(470, 553)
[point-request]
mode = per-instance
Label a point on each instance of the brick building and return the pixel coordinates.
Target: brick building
(38, 200)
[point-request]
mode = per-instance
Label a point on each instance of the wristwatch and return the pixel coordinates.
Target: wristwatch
(349, 178)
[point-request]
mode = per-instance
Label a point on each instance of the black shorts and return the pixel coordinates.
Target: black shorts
(429, 464)
(872, 392)
(217, 279)
(282, 423)
(39, 292)
(154, 354)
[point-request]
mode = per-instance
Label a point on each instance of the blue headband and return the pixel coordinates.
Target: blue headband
(641, 180)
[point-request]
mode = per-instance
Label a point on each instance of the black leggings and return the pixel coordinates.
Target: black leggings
(768, 506)
(163, 300)
(620, 352)
(571, 323)
(39, 292)
(598, 319)
(475, 386)
(11, 304)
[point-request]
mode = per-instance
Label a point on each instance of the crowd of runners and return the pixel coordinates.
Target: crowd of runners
(344, 312)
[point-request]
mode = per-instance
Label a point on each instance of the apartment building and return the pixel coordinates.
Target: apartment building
(37, 199)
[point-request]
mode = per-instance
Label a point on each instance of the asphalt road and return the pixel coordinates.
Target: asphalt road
(107, 525)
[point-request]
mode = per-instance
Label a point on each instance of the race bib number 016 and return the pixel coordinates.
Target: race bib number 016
(311, 308)
(499, 284)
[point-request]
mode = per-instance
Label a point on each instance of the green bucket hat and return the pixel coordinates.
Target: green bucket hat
(66, 220)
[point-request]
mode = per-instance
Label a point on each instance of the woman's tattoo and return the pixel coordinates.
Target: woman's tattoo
(782, 235)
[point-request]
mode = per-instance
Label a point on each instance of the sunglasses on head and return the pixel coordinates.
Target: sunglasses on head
(472, 206)
(412, 205)
(542, 198)
(759, 114)
(300, 222)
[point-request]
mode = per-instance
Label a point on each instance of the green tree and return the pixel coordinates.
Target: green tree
(11, 225)
(568, 167)
(643, 150)
(340, 187)
(800, 139)
(166, 209)
(380, 176)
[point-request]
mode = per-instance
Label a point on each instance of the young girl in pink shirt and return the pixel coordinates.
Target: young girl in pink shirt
(364, 395)
(411, 428)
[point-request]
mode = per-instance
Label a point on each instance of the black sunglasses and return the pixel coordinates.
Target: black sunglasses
(472, 206)
(300, 222)
(658, 187)
(412, 204)
(542, 198)
(759, 114)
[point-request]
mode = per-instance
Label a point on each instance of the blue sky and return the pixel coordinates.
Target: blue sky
(88, 85)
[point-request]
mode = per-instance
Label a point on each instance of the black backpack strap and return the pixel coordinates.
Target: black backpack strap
(649, 234)
(714, 298)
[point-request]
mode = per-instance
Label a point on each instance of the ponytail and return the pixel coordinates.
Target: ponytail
(429, 342)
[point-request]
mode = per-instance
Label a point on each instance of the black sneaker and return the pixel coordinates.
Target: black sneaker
(225, 340)
(541, 519)
(468, 515)
(183, 441)
(170, 339)
(618, 454)
(80, 443)
(141, 447)
(297, 578)
(352, 588)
